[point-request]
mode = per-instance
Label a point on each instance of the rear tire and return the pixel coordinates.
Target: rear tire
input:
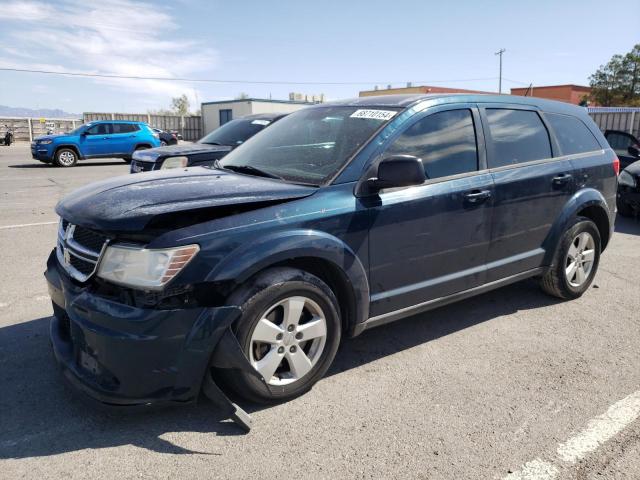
(301, 313)
(66, 157)
(576, 261)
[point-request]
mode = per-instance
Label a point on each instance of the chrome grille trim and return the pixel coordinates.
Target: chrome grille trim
(67, 247)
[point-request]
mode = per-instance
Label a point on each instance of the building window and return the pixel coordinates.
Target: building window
(225, 116)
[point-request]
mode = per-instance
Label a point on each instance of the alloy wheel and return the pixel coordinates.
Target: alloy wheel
(67, 158)
(288, 340)
(580, 258)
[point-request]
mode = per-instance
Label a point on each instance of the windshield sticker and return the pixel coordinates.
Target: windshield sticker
(374, 114)
(260, 122)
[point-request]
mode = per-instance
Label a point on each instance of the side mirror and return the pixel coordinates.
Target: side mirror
(398, 171)
(634, 151)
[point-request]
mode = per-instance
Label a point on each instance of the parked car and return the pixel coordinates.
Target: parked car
(101, 139)
(166, 138)
(6, 138)
(177, 134)
(628, 201)
(208, 149)
(626, 146)
(340, 217)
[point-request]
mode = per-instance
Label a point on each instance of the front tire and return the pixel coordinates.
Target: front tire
(576, 261)
(290, 330)
(66, 157)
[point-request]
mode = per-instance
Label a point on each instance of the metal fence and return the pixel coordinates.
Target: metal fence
(626, 119)
(189, 126)
(26, 129)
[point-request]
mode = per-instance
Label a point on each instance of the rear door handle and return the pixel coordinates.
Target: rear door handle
(562, 179)
(477, 196)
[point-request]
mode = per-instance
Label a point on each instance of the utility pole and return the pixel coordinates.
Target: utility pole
(500, 52)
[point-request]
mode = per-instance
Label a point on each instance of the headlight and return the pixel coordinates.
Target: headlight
(626, 179)
(175, 162)
(45, 142)
(143, 268)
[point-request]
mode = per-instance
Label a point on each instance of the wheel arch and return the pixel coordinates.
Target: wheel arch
(587, 203)
(318, 253)
(70, 146)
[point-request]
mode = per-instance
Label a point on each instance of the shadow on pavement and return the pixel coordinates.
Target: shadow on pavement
(41, 416)
(627, 225)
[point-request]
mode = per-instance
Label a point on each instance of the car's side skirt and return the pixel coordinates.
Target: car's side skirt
(439, 302)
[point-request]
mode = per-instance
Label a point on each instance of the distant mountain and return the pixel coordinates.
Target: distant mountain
(36, 113)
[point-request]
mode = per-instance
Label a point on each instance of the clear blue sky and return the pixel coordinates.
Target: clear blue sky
(365, 41)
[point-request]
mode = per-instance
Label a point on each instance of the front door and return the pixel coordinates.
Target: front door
(96, 140)
(431, 240)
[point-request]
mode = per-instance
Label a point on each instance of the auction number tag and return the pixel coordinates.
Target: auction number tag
(374, 114)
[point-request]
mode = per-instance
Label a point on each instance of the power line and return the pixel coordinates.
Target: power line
(212, 80)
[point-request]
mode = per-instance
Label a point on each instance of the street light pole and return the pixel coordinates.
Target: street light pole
(500, 52)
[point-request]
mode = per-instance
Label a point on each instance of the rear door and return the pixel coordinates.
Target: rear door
(431, 240)
(531, 187)
(123, 138)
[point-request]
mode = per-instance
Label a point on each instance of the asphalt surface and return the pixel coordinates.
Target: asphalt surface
(474, 390)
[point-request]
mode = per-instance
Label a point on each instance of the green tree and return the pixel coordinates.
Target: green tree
(180, 105)
(618, 82)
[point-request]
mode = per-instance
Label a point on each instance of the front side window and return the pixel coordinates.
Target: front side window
(310, 145)
(445, 141)
(517, 136)
(100, 129)
(619, 141)
(572, 135)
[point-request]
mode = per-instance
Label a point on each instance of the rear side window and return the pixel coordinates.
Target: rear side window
(517, 136)
(445, 141)
(124, 128)
(573, 135)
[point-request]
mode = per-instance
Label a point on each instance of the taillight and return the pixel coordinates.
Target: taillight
(616, 165)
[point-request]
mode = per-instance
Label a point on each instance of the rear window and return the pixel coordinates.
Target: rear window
(573, 135)
(517, 136)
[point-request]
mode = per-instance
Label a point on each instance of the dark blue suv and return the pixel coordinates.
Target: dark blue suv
(101, 139)
(246, 275)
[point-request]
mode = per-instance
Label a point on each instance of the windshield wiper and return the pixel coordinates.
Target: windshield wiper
(251, 170)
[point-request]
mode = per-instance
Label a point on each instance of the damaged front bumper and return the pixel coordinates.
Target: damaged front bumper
(124, 355)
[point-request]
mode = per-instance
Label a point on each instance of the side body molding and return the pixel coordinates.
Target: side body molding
(252, 257)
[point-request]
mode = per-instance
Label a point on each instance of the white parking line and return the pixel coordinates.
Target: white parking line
(22, 225)
(599, 430)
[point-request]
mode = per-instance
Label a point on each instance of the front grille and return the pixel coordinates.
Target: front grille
(140, 166)
(89, 239)
(79, 249)
(83, 266)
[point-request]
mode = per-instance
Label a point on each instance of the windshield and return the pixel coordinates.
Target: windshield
(310, 145)
(235, 132)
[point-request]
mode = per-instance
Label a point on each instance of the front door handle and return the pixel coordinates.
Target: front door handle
(562, 179)
(477, 196)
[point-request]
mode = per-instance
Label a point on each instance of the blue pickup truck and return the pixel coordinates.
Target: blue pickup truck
(101, 139)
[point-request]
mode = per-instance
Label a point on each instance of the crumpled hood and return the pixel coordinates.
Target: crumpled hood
(128, 203)
(153, 154)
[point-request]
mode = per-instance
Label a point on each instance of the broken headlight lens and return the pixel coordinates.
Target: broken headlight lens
(144, 268)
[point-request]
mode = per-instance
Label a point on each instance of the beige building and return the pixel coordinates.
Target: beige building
(215, 114)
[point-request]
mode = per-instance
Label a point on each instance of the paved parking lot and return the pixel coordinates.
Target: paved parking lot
(508, 384)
